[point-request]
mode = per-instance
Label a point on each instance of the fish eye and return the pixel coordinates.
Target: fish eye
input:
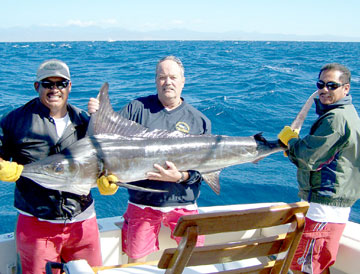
(58, 168)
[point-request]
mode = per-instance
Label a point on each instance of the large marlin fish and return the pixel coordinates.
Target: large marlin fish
(115, 145)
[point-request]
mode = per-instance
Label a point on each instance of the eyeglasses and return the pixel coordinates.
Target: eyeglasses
(59, 84)
(329, 85)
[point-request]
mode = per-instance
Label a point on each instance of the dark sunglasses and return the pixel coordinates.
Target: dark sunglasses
(59, 84)
(329, 85)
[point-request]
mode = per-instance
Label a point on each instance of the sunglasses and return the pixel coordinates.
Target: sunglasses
(329, 85)
(59, 84)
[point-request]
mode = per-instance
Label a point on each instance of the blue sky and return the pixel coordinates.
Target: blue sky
(295, 17)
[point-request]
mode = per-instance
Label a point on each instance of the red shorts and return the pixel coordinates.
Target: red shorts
(142, 226)
(38, 242)
(318, 247)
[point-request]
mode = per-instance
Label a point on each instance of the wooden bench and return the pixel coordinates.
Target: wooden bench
(273, 253)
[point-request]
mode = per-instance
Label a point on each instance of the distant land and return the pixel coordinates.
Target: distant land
(75, 33)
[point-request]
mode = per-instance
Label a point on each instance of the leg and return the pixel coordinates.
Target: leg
(37, 242)
(171, 218)
(82, 242)
(139, 260)
(318, 247)
(140, 232)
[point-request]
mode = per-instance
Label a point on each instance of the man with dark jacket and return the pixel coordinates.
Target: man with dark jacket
(328, 161)
(52, 225)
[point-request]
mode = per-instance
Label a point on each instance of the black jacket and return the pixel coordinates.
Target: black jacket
(28, 134)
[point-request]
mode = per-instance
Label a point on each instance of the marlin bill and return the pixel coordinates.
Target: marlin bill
(115, 145)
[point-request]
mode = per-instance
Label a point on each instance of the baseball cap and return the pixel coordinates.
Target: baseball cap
(53, 68)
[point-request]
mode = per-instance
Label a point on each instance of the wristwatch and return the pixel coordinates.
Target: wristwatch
(182, 178)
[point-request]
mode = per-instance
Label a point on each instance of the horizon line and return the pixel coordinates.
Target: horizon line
(179, 40)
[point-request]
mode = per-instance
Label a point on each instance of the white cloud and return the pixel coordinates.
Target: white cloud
(102, 23)
(177, 22)
(110, 22)
(80, 23)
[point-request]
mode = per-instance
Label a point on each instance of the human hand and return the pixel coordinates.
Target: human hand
(10, 171)
(106, 184)
(93, 105)
(286, 134)
(171, 174)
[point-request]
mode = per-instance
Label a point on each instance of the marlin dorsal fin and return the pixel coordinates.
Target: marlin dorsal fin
(107, 121)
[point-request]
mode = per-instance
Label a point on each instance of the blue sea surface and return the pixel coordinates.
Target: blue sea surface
(243, 87)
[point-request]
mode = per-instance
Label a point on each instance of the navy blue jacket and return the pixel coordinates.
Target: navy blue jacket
(149, 112)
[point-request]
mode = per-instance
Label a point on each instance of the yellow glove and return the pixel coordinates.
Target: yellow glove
(10, 171)
(106, 184)
(286, 134)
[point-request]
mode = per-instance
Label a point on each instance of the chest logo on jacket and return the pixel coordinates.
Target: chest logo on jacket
(182, 127)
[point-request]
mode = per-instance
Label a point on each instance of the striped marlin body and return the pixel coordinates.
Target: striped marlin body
(115, 145)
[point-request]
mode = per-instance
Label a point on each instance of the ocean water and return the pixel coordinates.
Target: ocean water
(244, 87)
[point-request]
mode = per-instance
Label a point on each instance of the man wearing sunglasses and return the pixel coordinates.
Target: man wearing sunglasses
(52, 225)
(328, 170)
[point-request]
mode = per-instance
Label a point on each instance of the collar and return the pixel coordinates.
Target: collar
(321, 108)
(171, 110)
(43, 111)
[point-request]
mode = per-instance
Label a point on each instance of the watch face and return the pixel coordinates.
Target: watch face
(182, 178)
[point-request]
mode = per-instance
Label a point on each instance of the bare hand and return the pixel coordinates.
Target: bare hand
(93, 105)
(171, 174)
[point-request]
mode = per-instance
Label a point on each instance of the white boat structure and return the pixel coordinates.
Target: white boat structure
(348, 260)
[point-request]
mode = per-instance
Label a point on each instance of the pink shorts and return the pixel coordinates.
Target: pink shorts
(318, 247)
(38, 242)
(142, 226)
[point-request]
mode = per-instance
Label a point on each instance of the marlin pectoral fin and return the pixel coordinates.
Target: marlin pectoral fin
(212, 179)
(134, 187)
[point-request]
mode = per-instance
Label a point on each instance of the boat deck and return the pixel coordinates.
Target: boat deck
(110, 232)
